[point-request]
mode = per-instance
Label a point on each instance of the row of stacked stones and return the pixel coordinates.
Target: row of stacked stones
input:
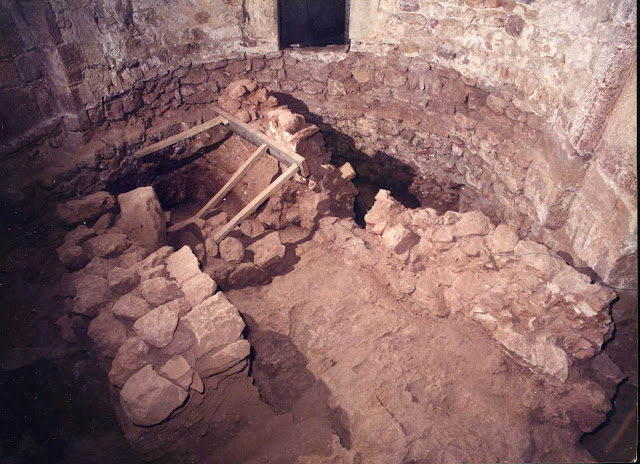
(154, 315)
(529, 300)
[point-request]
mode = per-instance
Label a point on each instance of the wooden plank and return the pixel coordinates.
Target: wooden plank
(179, 137)
(277, 150)
(242, 170)
(256, 202)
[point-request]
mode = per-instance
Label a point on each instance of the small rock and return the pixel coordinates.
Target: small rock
(218, 269)
(472, 223)
(215, 363)
(102, 224)
(159, 290)
(109, 245)
(503, 239)
(142, 219)
(211, 247)
(132, 257)
(399, 239)
(180, 305)
(148, 398)
(198, 288)
(131, 307)
(182, 341)
(107, 333)
(157, 326)
(220, 219)
(290, 122)
(158, 271)
(215, 323)
(252, 228)
(80, 234)
(268, 250)
(178, 370)
(98, 266)
(183, 265)
(232, 250)
(72, 256)
(132, 355)
(121, 280)
(91, 292)
(197, 384)
(87, 209)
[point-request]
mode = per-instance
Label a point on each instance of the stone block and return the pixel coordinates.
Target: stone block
(198, 288)
(232, 250)
(157, 326)
(159, 290)
(132, 355)
(142, 219)
(107, 333)
(86, 210)
(110, 245)
(148, 398)
(215, 323)
(183, 265)
(216, 362)
(131, 307)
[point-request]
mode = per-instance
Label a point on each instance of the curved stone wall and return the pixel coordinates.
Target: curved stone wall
(503, 98)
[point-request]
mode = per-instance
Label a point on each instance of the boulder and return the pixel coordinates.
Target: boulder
(107, 333)
(399, 239)
(91, 294)
(182, 265)
(148, 398)
(86, 210)
(215, 323)
(159, 290)
(214, 363)
(131, 307)
(198, 288)
(109, 245)
(178, 370)
(132, 355)
(121, 280)
(157, 326)
(142, 219)
(268, 250)
(232, 250)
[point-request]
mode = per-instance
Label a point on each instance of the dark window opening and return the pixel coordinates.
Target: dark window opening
(311, 23)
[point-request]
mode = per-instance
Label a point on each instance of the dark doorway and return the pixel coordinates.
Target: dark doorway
(312, 23)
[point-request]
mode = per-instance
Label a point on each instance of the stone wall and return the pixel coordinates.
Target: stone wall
(500, 97)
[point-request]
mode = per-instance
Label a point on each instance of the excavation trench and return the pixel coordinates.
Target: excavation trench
(363, 348)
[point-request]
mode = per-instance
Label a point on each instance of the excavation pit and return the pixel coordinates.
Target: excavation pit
(437, 288)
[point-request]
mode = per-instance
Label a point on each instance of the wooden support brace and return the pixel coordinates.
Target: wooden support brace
(256, 202)
(242, 170)
(277, 150)
(179, 137)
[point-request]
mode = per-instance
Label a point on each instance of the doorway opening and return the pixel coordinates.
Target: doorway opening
(309, 23)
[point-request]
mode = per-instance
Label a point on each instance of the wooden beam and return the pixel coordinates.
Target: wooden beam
(256, 202)
(242, 170)
(277, 150)
(179, 137)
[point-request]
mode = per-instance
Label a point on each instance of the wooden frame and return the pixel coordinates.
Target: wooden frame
(265, 143)
(179, 137)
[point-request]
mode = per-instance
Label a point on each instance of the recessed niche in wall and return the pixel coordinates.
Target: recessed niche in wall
(310, 23)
